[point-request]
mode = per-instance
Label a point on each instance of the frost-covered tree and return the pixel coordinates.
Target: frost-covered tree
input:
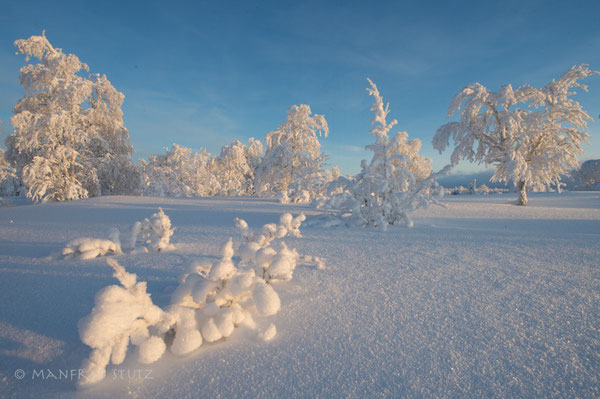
(293, 162)
(532, 136)
(69, 134)
(236, 166)
(397, 181)
(179, 172)
(588, 175)
(9, 182)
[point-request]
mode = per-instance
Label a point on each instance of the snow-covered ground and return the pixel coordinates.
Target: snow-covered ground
(482, 298)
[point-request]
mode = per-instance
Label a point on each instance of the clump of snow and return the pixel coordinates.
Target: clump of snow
(152, 349)
(269, 333)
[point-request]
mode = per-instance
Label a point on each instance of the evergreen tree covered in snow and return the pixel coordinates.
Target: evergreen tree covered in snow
(69, 134)
(293, 162)
(532, 136)
(396, 182)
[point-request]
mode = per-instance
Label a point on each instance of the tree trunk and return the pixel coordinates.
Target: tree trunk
(522, 186)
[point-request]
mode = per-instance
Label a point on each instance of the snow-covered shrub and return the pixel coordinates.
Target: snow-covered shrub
(293, 163)
(154, 234)
(122, 314)
(212, 300)
(68, 126)
(396, 182)
(221, 298)
(89, 248)
(270, 263)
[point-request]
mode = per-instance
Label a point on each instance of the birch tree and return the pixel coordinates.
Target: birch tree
(69, 134)
(531, 136)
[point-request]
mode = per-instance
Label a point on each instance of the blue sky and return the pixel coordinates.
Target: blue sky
(201, 74)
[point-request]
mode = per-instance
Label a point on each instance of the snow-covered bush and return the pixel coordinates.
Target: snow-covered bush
(532, 136)
(212, 300)
(89, 248)
(293, 163)
(222, 297)
(122, 314)
(154, 234)
(68, 126)
(270, 263)
(397, 181)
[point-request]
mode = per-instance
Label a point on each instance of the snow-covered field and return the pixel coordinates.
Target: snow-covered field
(482, 298)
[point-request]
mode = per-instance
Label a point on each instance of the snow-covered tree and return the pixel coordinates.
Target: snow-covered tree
(397, 181)
(179, 172)
(236, 166)
(588, 175)
(69, 133)
(532, 136)
(293, 162)
(9, 182)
